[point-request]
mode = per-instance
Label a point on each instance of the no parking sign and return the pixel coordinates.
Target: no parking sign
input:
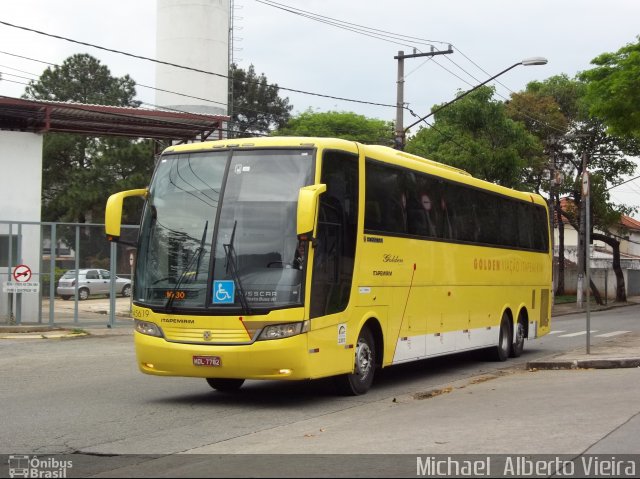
(22, 273)
(21, 281)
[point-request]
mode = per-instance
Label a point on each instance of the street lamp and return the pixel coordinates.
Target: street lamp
(526, 62)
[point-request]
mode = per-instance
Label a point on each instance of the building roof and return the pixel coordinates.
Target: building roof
(630, 223)
(627, 222)
(41, 116)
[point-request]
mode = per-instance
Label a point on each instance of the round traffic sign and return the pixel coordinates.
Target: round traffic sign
(22, 273)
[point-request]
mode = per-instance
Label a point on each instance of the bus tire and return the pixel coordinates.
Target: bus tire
(225, 385)
(519, 335)
(359, 382)
(503, 349)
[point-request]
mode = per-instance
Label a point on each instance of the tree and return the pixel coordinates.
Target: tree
(546, 116)
(476, 135)
(613, 90)
(572, 144)
(83, 79)
(80, 172)
(346, 125)
(256, 107)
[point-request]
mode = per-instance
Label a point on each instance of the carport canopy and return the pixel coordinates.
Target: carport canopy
(41, 116)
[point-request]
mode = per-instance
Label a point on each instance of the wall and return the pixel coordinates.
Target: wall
(20, 197)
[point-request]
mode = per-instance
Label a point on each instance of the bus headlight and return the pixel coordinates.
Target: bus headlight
(279, 331)
(150, 329)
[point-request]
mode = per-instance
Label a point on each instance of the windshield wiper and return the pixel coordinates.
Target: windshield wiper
(230, 256)
(195, 258)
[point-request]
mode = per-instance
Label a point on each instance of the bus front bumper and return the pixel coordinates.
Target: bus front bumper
(286, 358)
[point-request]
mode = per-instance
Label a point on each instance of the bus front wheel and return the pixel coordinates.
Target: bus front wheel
(360, 380)
(224, 384)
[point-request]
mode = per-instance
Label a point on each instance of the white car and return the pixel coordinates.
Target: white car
(90, 282)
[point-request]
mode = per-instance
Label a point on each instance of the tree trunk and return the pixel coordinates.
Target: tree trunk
(596, 294)
(621, 293)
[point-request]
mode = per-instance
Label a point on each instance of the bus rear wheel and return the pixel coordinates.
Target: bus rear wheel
(518, 341)
(359, 382)
(225, 385)
(503, 349)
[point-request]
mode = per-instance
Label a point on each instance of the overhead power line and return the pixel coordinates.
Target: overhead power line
(185, 95)
(198, 70)
(354, 27)
(401, 39)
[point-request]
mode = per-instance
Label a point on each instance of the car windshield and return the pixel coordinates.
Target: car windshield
(239, 204)
(70, 274)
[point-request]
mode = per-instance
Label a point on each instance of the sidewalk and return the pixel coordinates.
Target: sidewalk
(563, 309)
(619, 352)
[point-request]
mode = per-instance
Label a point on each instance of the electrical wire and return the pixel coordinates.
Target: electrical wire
(357, 28)
(198, 70)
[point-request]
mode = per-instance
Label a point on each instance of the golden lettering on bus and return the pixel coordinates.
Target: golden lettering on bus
(486, 264)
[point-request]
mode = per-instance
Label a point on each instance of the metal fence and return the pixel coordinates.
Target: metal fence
(35, 255)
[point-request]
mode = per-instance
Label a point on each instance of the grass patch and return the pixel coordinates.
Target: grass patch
(564, 299)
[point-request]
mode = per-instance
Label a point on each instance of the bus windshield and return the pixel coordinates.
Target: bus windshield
(240, 205)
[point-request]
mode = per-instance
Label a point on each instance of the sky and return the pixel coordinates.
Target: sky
(303, 54)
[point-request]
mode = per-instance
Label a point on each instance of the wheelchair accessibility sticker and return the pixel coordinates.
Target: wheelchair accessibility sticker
(223, 292)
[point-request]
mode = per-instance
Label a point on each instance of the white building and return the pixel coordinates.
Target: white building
(20, 192)
(628, 233)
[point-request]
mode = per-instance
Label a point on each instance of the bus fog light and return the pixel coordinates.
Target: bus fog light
(150, 329)
(278, 331)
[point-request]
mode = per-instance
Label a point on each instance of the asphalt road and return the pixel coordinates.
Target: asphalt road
(86, 397)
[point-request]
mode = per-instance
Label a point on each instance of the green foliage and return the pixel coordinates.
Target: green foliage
(346, 125)
(556, 111)
(45, 279)
(613, 90)
(80, 172)
(476, 135)
(566, 93)
(257, 109)
(82, 79)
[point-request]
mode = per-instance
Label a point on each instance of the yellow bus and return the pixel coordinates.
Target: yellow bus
(302, 258)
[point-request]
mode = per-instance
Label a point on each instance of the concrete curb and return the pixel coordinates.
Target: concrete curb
(565, 309)
(45, 335)
(609, 363)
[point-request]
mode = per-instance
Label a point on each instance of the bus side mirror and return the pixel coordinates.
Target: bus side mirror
(308, 207)
(113, 212)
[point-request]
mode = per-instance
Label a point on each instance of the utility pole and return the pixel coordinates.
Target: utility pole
(399, 140)
(582, 243)
(587, 206)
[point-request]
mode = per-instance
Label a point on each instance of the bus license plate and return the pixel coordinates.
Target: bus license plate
(211, 361)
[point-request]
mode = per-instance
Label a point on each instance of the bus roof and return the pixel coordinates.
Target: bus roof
(377, 152)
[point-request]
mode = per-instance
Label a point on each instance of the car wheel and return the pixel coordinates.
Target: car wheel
(126, 291)
(83, 294)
